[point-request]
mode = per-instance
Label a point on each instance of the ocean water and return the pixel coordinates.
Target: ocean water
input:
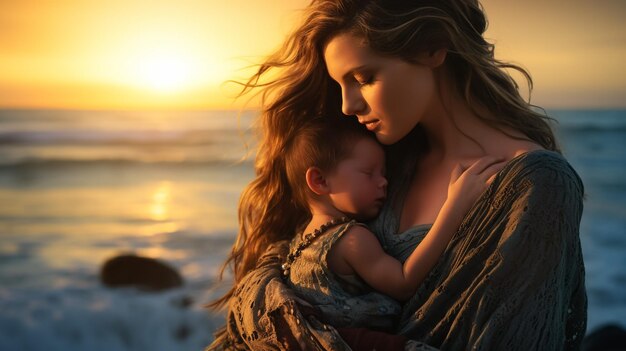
(78, 187)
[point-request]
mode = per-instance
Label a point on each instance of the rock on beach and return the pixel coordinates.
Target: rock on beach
(129, 270)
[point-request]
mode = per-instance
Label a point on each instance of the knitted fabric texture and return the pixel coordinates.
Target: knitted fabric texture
(512, 278)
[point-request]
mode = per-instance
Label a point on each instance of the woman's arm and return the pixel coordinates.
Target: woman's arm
(264, 314)
(514, 276)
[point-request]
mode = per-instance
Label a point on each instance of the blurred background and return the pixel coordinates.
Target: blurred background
(118, 134)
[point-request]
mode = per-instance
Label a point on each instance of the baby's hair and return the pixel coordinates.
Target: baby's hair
(321, 142)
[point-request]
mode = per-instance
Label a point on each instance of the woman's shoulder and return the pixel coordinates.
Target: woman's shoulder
(539, 157)
(541, 167)
(539, 162)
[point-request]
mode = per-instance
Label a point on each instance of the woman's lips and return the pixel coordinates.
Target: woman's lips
(371, 125)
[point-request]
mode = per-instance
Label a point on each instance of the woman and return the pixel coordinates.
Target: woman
(421, 77)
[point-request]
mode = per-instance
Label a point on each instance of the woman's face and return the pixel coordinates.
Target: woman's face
(388, 95)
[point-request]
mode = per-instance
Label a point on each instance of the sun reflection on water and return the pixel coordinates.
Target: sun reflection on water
(159, 211)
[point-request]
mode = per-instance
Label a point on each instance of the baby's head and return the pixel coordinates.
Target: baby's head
(337, 163)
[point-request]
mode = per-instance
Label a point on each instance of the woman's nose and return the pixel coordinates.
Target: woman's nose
(352, 102)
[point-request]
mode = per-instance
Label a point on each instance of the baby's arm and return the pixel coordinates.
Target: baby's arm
(359, 250)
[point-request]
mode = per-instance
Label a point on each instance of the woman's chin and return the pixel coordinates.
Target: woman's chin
(386, 139)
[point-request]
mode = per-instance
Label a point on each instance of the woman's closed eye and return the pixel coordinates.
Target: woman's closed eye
(363, 80)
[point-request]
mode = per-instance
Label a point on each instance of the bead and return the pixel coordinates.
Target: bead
(307, 240)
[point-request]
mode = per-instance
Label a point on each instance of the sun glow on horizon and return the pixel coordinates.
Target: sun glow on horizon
(132, 54)
(165, 73)
(179, 54)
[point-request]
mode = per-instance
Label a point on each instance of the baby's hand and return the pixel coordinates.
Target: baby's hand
(466, 184)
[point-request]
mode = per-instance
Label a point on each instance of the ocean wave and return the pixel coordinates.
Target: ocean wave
(94, 318)
(116, 162)
(590, 120)
(124, 137)
(592, 127)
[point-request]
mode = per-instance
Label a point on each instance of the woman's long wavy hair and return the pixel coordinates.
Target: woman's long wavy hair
(295, 87)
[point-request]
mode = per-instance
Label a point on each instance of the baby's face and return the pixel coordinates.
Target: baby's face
(358, 186)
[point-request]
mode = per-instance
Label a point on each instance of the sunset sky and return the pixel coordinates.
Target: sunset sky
(128, 54)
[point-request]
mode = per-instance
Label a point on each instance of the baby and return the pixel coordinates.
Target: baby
(336, 171)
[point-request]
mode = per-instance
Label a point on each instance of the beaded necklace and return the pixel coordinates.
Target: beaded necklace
(307, 240)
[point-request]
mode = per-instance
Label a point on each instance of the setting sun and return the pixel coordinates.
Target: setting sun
(128, 54)
(124, 54)
(165, 73)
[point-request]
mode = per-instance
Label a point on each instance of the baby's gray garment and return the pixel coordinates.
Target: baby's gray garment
(344, 301)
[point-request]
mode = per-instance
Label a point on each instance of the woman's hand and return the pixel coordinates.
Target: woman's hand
(468, 183)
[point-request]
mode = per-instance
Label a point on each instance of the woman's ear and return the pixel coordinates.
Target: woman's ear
(316, 181)
(434, 58)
